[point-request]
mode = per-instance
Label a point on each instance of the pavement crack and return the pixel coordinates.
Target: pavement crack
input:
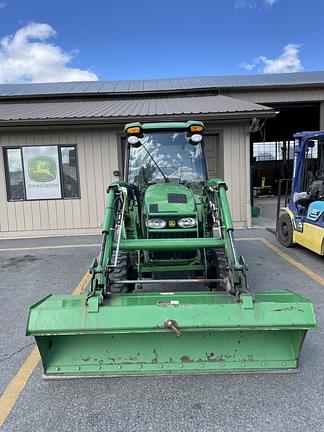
(7, 356)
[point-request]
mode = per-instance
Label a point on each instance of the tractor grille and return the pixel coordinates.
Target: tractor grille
(173, 255)
(168, 235)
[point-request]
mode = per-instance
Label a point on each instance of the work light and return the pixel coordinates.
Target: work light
(187, 222)
(196, 138)
(156, 223)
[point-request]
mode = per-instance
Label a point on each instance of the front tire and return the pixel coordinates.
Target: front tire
(285, 230)
(123, 271)
(217, 268)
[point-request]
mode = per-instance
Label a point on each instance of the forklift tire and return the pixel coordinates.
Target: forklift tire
(285, 230)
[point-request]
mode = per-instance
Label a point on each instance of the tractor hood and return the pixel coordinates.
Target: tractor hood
(169, 198)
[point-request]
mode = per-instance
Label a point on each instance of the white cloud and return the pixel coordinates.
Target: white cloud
(288, 61)
(270, 2)
(247, 66)
(249, 4)
(3, 5)
(253, 4)
(27, 56)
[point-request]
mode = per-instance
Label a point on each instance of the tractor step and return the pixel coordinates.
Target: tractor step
(170, 333)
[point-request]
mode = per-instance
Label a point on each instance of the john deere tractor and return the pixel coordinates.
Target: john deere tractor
(168, 292)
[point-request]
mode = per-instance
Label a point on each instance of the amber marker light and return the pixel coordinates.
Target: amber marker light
(196, 128)
(135, 130)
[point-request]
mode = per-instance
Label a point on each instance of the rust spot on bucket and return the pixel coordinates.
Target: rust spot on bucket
(210, 356)
(155, 358)
(288, 309)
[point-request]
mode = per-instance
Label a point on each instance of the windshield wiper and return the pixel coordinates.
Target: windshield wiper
(162, 173)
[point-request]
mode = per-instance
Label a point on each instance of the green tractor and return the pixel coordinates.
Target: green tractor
(168, 291)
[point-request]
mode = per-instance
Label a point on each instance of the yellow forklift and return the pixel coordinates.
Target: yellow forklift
(301, 220)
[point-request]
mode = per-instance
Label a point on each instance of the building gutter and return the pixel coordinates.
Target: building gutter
(237, 116)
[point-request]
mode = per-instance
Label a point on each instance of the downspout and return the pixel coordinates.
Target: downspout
(248, 180)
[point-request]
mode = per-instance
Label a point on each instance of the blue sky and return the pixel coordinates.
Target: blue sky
(43, 40)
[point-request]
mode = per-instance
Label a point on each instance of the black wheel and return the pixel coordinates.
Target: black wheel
(217, 268)
(123, 271)
(285, 230)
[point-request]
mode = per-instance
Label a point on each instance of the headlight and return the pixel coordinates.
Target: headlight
(187, 222)
(156, 223)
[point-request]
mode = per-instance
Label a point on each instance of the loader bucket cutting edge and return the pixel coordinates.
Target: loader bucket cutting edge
(211, 333)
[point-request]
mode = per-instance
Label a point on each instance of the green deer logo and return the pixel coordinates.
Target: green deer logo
(42, 169)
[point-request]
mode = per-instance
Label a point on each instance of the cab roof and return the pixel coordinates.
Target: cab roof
(309, 134)
(164, 125)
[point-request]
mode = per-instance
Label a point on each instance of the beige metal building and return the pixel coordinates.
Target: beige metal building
(79, 126)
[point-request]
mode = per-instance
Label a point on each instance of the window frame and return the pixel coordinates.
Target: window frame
(7, 173)
(76, 169)
(59, 147)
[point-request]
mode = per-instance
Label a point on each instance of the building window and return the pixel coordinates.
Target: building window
(70, 182)
(14, 175)
(41, 172)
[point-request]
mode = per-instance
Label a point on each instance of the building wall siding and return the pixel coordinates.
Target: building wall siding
(97, 150)
(234, 148)
(97, 159)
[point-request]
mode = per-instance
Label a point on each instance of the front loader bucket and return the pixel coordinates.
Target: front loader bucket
(171, 333)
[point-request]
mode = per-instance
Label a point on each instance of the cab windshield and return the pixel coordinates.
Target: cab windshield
(176, 157)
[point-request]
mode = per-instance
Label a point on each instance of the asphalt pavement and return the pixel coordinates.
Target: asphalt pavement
(238, 402)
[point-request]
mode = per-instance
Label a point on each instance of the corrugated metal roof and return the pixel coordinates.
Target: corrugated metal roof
(127, 108)
(162, 85)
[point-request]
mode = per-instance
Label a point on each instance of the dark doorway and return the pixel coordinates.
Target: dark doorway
(272, 154)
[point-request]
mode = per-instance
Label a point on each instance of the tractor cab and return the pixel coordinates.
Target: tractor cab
(173, 153)
(165, 163)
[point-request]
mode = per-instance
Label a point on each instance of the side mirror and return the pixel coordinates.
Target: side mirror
(311, 144)
(134, 141)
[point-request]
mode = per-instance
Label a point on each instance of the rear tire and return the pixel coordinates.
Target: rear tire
(285, 230)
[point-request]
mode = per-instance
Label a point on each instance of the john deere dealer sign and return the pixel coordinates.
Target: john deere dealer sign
(41, 169)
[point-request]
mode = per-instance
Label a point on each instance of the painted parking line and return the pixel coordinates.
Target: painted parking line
(317, 278)
(20, 249)
(19, 381)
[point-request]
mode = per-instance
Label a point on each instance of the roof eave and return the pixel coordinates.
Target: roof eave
(245, 115)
